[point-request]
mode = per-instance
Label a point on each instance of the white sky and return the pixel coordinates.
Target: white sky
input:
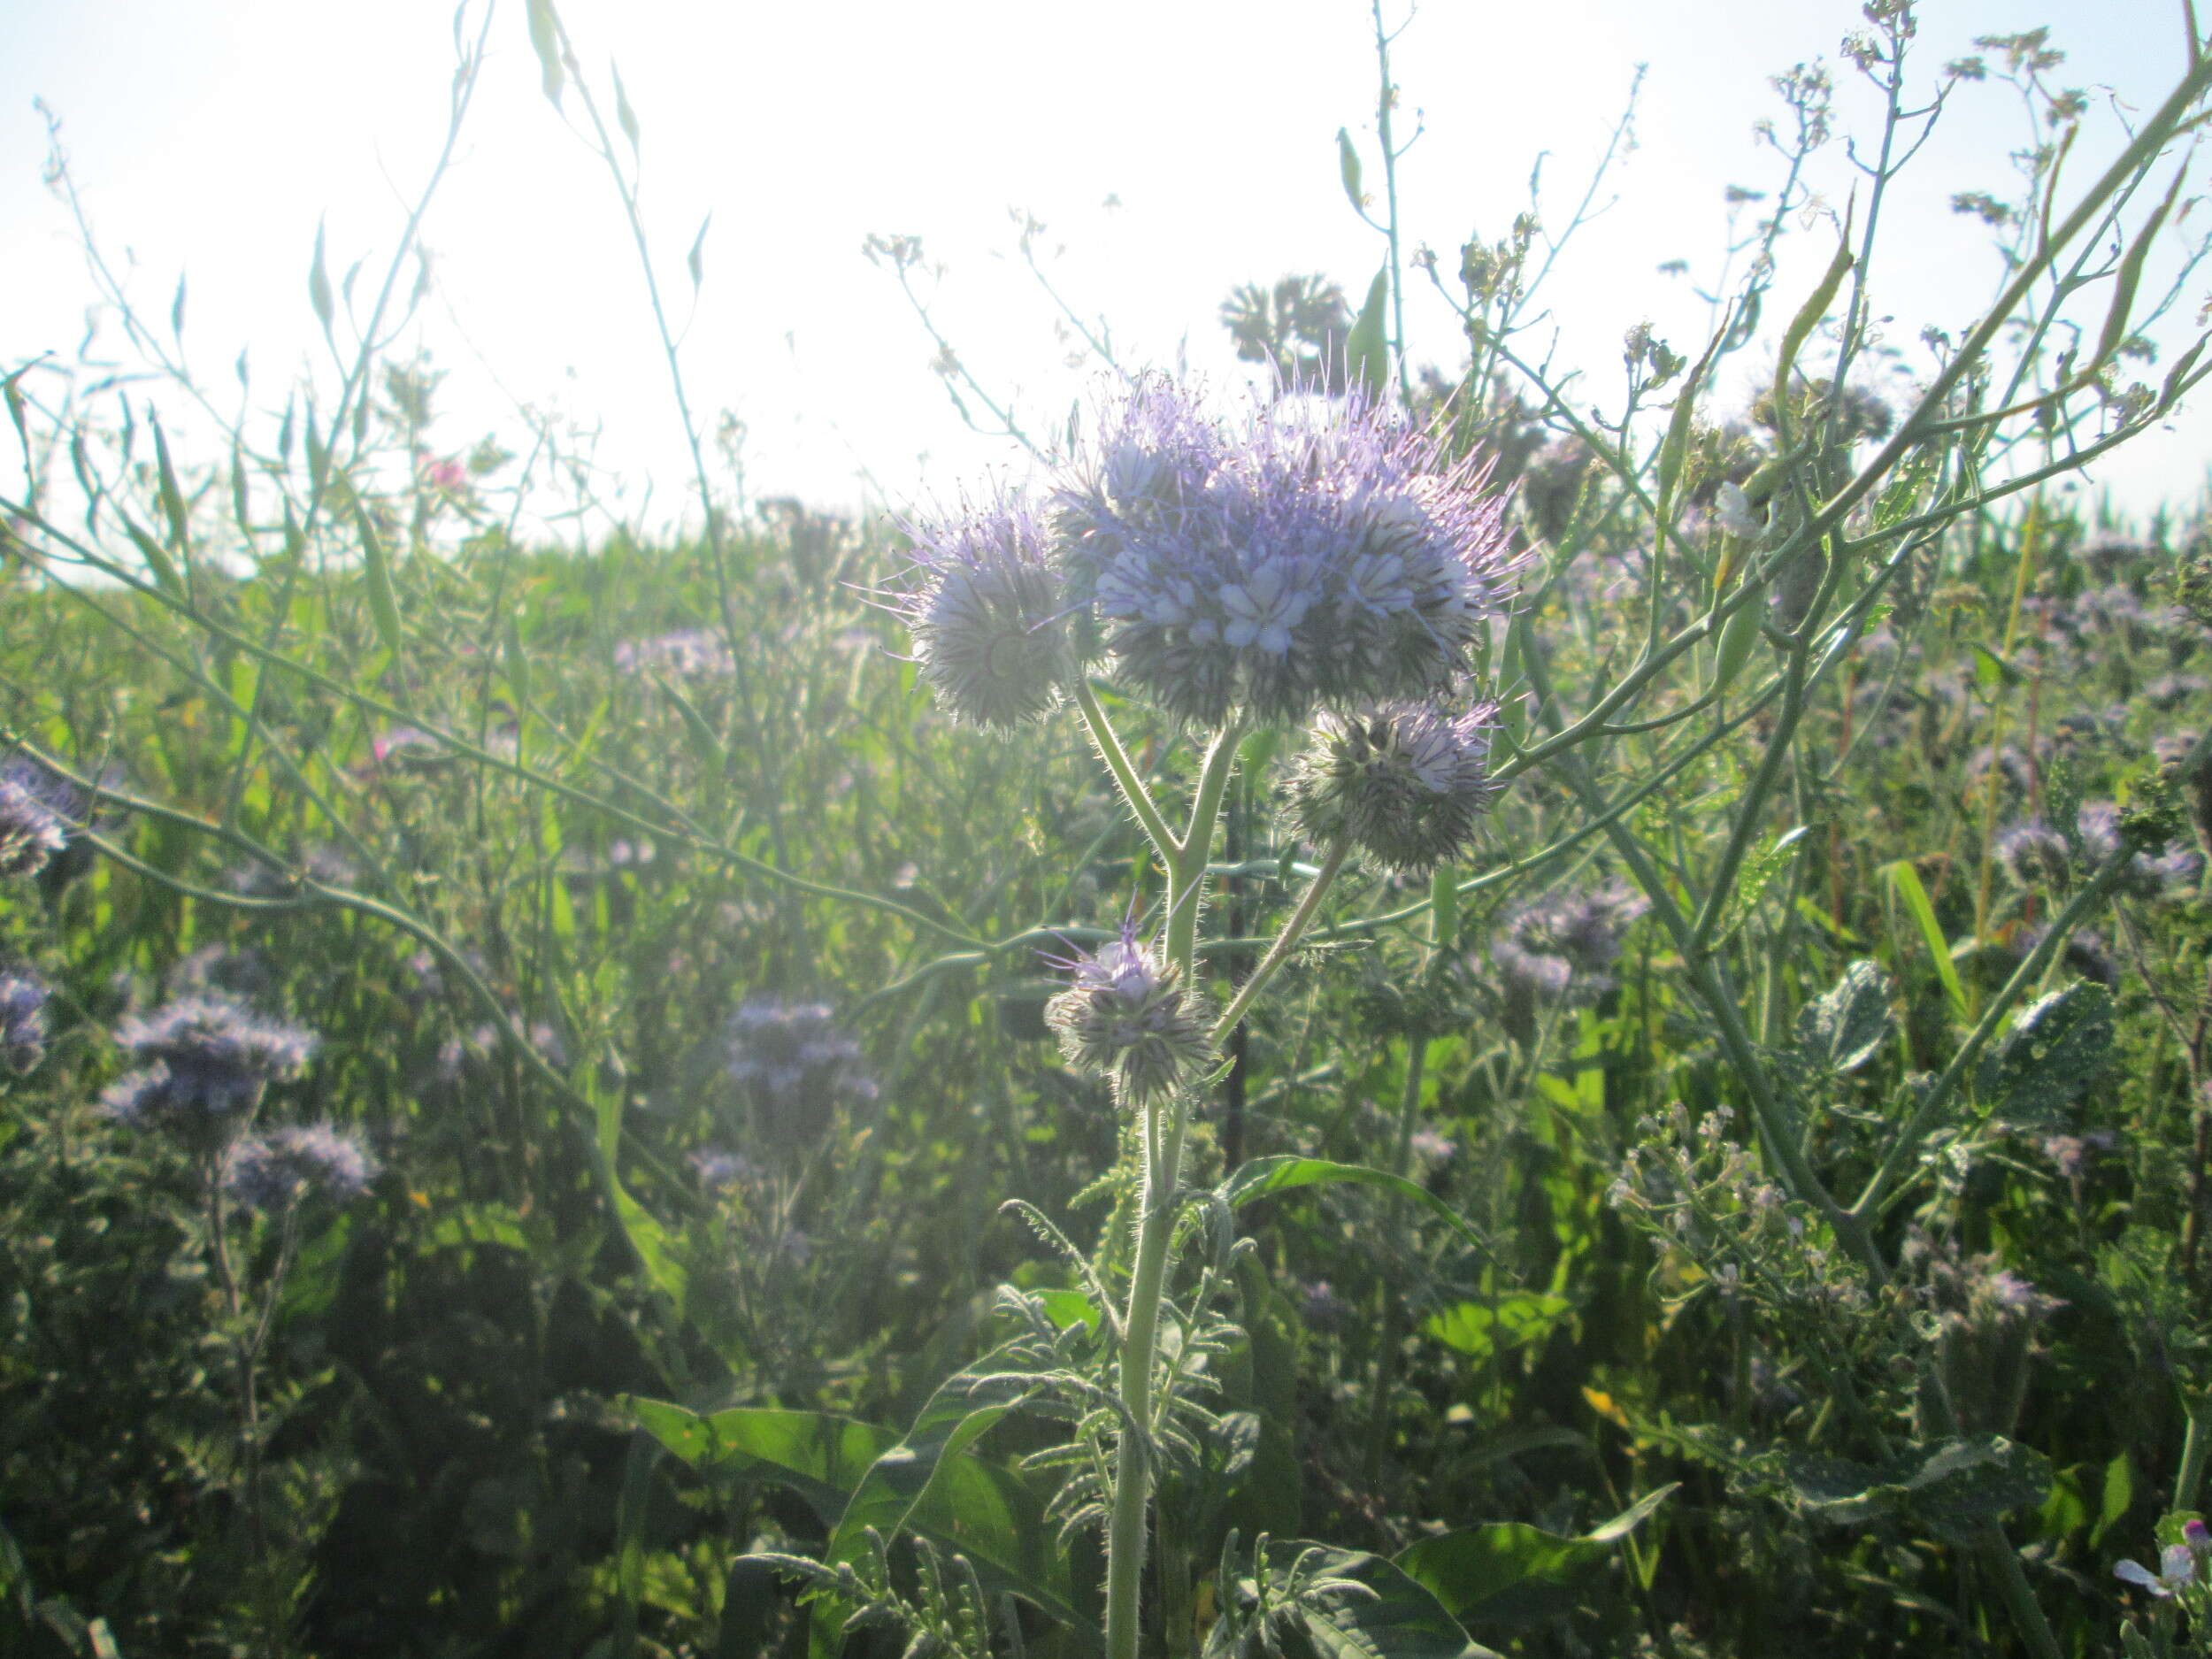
(210, 137)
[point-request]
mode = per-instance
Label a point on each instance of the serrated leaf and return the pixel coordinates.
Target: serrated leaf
(2057, 1047)
(1954, 1489)
(1845, 1027)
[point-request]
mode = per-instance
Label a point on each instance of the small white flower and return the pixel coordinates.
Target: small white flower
(1735, 513)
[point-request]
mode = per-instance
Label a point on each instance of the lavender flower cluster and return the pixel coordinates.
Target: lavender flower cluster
(795, 1067)
(22, 1021)
(1561, 948)
(2034, 854)
(1295, 562)
(274, 1172)
(31, 831)
(202, 1064)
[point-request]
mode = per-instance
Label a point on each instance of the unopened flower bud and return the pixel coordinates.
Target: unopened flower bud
(1128, 1017)
(1408, 784)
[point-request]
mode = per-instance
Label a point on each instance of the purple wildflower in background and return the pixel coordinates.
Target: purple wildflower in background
(1408, 784)
(1324, 556)
(693, 653)
(987, 612)
(795, 1067)
(201, 1063)
(2033, 855)
(275, 1172)
(30, 831)
(1561, 948)
(1127, 1016)
(22, 1021)
(719, 1170)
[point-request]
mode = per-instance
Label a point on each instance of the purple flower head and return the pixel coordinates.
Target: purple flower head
(719, 1170)
(1128, 1017)
(1319, 1305)
(2147, 875)
(1322, 554)
(1432, 1148)
(988, 614)
(693, 653)
(1561, 948)
(795, 1067)
(202, 1063)
(275, 1172)
(2177, 1572)
(1409, 784)
(22, 1021)
(30, 831)
(2033, 854)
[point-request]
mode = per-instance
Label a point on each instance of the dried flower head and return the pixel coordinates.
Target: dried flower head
(1408, 784)
(988, 614)
(1128, 1017)
(274, 1172)
(202, 1063)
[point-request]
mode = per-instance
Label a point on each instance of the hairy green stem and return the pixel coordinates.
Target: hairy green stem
(1125, 779)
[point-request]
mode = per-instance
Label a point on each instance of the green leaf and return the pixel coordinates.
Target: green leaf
(1845, 1028)
(2057, 1047)
(1262, 1176)
(383, 603)
(319, 284)
(1509, 1573)
(820, 1456)
(1904, 881)
(1347, 169)
(1367, 349)
(545, 41)
(1483, 1329)
(1954, 1489)
(1402, 1619)
(625, 116)
(694, 261)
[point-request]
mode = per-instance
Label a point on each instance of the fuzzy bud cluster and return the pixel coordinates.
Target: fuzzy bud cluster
(1128, 1017)
(1408, 784)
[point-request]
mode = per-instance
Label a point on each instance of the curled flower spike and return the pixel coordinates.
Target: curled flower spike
(1128, 1017)
(1409, 784)
(987, 613)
